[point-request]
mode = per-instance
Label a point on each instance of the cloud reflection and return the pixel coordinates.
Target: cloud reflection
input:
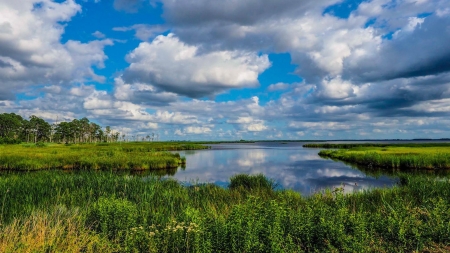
(292, 166)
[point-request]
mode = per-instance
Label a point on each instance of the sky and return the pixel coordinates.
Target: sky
(231, 69)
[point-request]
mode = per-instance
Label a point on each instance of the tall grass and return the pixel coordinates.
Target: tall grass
(361, 145)
(128, 156)
(56, 230)
(406, 158)
(251, 182)
(124, 213)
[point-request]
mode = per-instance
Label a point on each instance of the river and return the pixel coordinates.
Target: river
(289, 164)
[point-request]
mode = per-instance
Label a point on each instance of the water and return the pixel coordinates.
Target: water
(290, 165)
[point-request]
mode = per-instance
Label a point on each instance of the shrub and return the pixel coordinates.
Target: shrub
(7, 140)
(112, 217)
(250, 182)
(40, 144)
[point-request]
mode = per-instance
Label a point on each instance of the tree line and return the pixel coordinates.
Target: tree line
(16, 129)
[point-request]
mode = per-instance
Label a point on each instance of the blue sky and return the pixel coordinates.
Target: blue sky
(220, 70)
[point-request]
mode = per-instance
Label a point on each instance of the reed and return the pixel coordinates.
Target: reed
(373, 145)
(394, 157)
(104, 156)
(251, 182)
(126, 213)
(55, 230)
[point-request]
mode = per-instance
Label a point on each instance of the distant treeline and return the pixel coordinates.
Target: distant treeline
(15, 129)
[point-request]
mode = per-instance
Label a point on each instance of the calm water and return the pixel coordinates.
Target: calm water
(291, 165)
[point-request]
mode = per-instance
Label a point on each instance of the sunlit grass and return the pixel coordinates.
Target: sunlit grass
(397, 157)
(105, 156)
(124, 213)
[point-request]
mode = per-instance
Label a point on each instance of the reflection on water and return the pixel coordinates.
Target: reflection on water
(292, 166)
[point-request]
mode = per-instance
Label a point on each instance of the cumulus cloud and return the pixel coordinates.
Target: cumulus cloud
(197, 130)
(278, 87)
(98, 35)
(249, 124)
(419, 49)
(30, 49)
(174, 66)
(199, 12)
(382, 72)
(142, 93)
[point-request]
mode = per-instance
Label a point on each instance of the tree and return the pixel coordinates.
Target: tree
(108, 132)
(94, 132)
(14, 129)
(64, 131)
(40, 128)
(10, 125)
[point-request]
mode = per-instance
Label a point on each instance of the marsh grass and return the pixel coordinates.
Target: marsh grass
(56, 230)
(252, 182)
(373, 145)
(103, 156)
(432, 158)
(124, 213)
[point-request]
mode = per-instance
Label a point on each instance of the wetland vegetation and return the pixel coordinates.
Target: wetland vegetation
(430, 156)
(55, 211)
(93, 208)
(104, 156)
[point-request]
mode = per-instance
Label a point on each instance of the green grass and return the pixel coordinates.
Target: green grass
(374, 145)
(252, 182)
(103, 156)
(395, 156)
(53, 211)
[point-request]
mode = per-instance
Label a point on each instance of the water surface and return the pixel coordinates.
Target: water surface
(289, 164)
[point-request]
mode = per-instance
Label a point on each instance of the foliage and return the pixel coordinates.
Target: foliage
(7, 140)
(14, 129)
(395, 157)
(113, 156)
(163, 216)
(57, 229)
(112, 217)
(374, 145)
(251, 182)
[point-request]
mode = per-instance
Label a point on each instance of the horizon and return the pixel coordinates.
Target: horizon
(230, 70)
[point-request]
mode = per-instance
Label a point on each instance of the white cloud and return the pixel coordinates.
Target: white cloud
(174, 66)
(141, 93)
(197, 130)
(249, 123)
(30, 49)
(98, 35)
(357, 82)
(278, 87)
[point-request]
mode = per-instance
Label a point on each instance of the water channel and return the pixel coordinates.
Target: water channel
(289, 164)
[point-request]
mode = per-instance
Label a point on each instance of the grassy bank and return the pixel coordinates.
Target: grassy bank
(394, 157)
(105, 212)
(374, 145)
(115, 156)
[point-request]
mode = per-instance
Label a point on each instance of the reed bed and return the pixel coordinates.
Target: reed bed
(124, 213)
(373, 145)
(104, 156)
(394, 157)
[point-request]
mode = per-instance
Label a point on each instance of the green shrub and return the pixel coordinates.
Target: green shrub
(250, 182)
(7, 140)
(112, 217)
(40, 144)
